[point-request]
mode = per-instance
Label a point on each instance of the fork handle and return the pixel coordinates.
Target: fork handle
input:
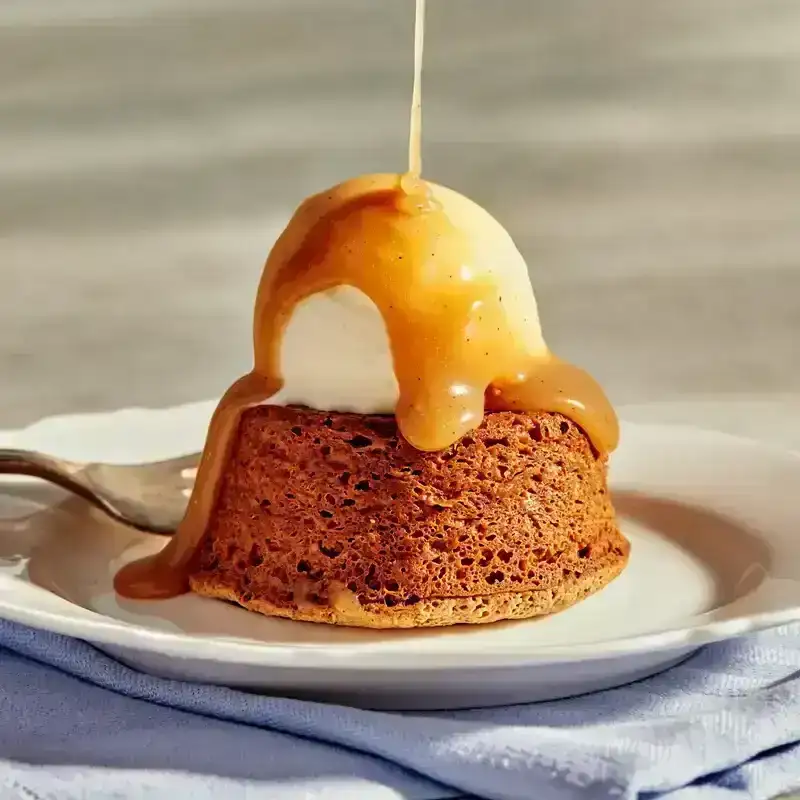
(46, 468)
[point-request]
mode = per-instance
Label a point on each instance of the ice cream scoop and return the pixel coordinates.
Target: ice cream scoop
(455, 299)
(335, 350)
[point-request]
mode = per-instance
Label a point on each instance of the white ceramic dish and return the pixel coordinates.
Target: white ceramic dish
(715, 553)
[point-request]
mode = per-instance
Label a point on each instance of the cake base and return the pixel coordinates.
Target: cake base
(336, 519)
(438, 611)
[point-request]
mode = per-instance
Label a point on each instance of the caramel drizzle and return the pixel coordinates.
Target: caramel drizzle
(455, 351)
(415, 129)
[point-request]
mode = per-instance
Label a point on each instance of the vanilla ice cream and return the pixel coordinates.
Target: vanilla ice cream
(335, 352)
(335, 355)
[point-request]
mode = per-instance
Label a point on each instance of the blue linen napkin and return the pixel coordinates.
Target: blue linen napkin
(74, 723)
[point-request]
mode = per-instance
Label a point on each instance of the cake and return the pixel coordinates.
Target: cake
(406, 451)
(336, 518)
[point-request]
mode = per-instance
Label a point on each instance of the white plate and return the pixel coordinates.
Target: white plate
(715, 538)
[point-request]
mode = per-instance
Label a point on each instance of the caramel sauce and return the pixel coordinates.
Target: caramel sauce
(462, 341)
(345, 602)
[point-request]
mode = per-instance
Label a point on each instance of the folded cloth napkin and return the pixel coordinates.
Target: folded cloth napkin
(74, 723)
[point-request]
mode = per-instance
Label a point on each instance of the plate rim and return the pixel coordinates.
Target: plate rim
(99, 629)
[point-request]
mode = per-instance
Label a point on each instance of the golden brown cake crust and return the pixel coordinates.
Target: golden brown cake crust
(336, 518)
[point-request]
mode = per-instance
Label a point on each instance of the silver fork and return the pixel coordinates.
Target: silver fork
(150, 497)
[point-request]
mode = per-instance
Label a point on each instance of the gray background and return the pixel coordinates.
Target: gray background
(645, 155)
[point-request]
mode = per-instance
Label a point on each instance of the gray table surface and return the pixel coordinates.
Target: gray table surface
(644, 155)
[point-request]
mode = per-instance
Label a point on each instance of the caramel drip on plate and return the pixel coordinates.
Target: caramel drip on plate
(456, 349)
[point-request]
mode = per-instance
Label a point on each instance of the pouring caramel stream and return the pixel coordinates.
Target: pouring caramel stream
(415, 129)
(463, 341)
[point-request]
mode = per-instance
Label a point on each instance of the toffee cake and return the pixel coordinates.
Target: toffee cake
(336, 518)
(444, 468)
(406, 450)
